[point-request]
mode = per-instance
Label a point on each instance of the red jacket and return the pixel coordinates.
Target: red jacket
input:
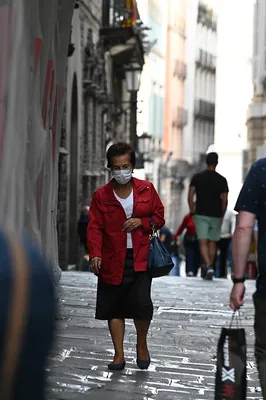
(105, 238)
(188, 224)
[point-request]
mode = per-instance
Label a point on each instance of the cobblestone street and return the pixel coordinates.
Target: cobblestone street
(189, 314)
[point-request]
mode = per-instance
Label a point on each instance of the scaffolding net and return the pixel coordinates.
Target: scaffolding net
(34, 37)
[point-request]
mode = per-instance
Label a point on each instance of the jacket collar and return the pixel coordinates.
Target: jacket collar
(138, 187)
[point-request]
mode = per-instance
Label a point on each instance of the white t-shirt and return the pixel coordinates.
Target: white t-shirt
(127, 205)
(228, 225)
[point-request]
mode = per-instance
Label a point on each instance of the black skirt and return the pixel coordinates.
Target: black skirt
(131, 299)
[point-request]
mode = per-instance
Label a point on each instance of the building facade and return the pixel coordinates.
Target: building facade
(152, 89)
(173, 168)
(200, 86)
(256, 118)
(99, 109)
(233, 91)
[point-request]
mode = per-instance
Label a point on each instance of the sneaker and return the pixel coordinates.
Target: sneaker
(209, 273)
(203, 271)
(190, 274)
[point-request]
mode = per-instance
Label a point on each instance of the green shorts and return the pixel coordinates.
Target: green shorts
(208, 228)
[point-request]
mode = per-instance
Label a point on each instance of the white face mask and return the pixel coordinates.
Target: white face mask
(122, 176)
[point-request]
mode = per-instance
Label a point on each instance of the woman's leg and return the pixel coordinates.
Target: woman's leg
(142, 328)
(117, 331)
(224, 244)
(175, 271)
(189, 260)
(197, 258)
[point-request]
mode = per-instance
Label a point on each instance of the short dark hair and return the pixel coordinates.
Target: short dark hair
(120, 149)
(212, 159)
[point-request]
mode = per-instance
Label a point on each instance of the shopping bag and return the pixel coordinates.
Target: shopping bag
(231, 371)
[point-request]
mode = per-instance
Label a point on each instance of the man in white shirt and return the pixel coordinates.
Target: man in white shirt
(228, 227)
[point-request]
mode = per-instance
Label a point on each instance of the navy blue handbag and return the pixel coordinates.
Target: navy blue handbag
(159, 261)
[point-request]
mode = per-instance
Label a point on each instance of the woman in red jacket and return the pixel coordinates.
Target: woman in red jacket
(118, 242)
(191, 245)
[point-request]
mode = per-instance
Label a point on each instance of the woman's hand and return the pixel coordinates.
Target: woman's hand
(132, 224)
(96, 264)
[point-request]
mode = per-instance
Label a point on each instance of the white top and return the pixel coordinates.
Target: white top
(127, 205)
(228, 225)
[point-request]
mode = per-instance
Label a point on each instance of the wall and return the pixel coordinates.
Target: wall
(200, 83)
(175, 57)
(151, 96)
(233, 89)
(191, 32)
(76, 139)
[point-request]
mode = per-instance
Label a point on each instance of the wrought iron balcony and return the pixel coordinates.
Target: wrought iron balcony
(204, 110)
(206, 61)
(206, 17)
(123, 33)
(180, 118)
(180, 70)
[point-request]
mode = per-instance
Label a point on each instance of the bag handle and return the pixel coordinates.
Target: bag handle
(153, 226)
(16, 317)
(235, 317)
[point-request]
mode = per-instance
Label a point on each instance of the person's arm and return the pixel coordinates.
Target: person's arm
(247, 206)
(95, 233)
(163, 237)
(190, 199)
(224, 197)
(242, 241)
(157, 213)
(181, 228)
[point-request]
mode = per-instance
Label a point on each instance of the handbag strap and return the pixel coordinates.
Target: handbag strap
(235, 318)
(16, 316)
(153, 226)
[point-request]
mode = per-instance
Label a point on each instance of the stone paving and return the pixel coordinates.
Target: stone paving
(189, 314)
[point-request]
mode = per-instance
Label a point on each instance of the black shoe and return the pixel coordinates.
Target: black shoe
(143, 364)
(209, 273)
(117, 367)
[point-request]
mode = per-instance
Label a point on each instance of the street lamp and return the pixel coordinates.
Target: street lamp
(144, 143)
(132, 75)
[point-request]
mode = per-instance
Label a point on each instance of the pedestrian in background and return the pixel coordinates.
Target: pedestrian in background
(251, 204)
(83, 222)
(211, 192)
(224, 244)
(82, 227)
(166, 238)
(191, 245)
(121, 217)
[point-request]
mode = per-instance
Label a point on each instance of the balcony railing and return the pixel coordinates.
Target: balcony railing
(180, 70)
(206, 17)
(204, 110)
(206, 60)
(123, 13)
(180, 118)
(122, 31)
